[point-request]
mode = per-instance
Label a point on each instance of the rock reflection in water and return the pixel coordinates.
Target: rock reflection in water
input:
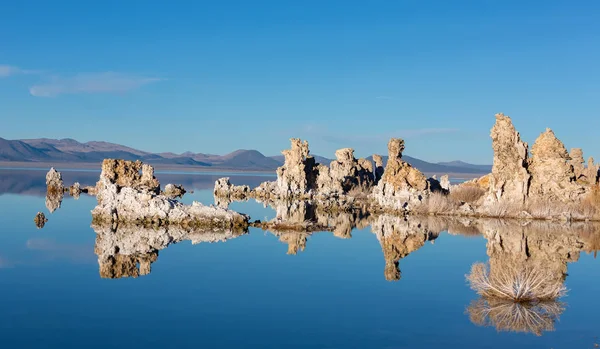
(129, 251)
(526, 275)
(54, 200)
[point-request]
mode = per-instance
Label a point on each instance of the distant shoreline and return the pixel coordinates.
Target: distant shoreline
(160, 168)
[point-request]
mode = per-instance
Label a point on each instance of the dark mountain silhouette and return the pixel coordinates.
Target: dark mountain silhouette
(44, 150)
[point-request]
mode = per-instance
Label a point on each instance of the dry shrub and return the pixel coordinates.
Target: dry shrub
(466, 193)
(507, 315)
(504, 208)
(517, 283)
(437, 203)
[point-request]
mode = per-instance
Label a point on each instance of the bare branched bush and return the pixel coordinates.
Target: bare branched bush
(506, 315)
(466, 193)
(517, 283)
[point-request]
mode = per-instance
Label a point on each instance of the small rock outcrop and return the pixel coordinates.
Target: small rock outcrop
(127, 196)
(40, 220)
(345, 174)
(224, 189)
(75, 190)
(174, 191)
(54, 182)
(445, 182)
(553, 176)
(401, 185)
(509, 180)
(592, 172)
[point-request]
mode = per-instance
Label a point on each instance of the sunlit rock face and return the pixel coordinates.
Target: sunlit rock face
(345, 175)
(553, 176)
(509, 179)
(54, 182)
(129, 250)
(398, 238)
(576, 160)
(592, 172)
(224, 189)
(75, 190)
(174, 191)
(297, 176)
(401, 186)
(126, 195)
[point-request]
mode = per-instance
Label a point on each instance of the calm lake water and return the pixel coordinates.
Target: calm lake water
(341, 291)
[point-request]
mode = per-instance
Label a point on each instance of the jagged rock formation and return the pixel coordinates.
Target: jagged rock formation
(344, 175)
(75, 190)
(398, 238)
(509, 179)
(577, 161)
(40, 220)
(174, 191)
(54, 182)
(224, 189)
(297, 176)
(126, 195)
(592, 172)
(378, 167)
(552, 176)
(129, 250)
(445, 182)
(401, 186)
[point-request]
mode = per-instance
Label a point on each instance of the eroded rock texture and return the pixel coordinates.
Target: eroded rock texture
(378, 167)
(54, 182)
(126, 195)
(54, 201)
(592, 172)
(223, 188)
(345, 175)
(401, 186)
(553, 176)
(509, 179)
(577, 161)
(129, 250)
(75, 190)
(297, 176)
(174, 190)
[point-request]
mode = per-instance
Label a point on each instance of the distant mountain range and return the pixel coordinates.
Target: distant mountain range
(68, 150)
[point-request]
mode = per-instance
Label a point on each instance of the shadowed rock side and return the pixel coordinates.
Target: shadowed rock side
(129, 250)
(525, 275)
(127, 196)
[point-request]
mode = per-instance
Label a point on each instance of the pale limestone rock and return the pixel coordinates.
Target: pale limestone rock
(509, 180)
(174, 190)
(445, 182)
(577, 162)
(223, 188)
(54, 182)
(401, 186)
(297, 175)
(345, 175)
(592, 172)
(75, 190)
(126, 196)
(553, 177)
(378, 167)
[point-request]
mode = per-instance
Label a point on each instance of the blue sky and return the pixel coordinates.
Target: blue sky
(216, 76)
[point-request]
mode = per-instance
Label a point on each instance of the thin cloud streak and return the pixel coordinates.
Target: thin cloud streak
(10, 70)
(107, 82)
(384, 137)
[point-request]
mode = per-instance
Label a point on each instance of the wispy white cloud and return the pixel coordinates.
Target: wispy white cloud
(106, 82)
(384, 137)
(9, 70)
(387, 98)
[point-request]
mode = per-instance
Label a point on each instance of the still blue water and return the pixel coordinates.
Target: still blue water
(247, 292)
